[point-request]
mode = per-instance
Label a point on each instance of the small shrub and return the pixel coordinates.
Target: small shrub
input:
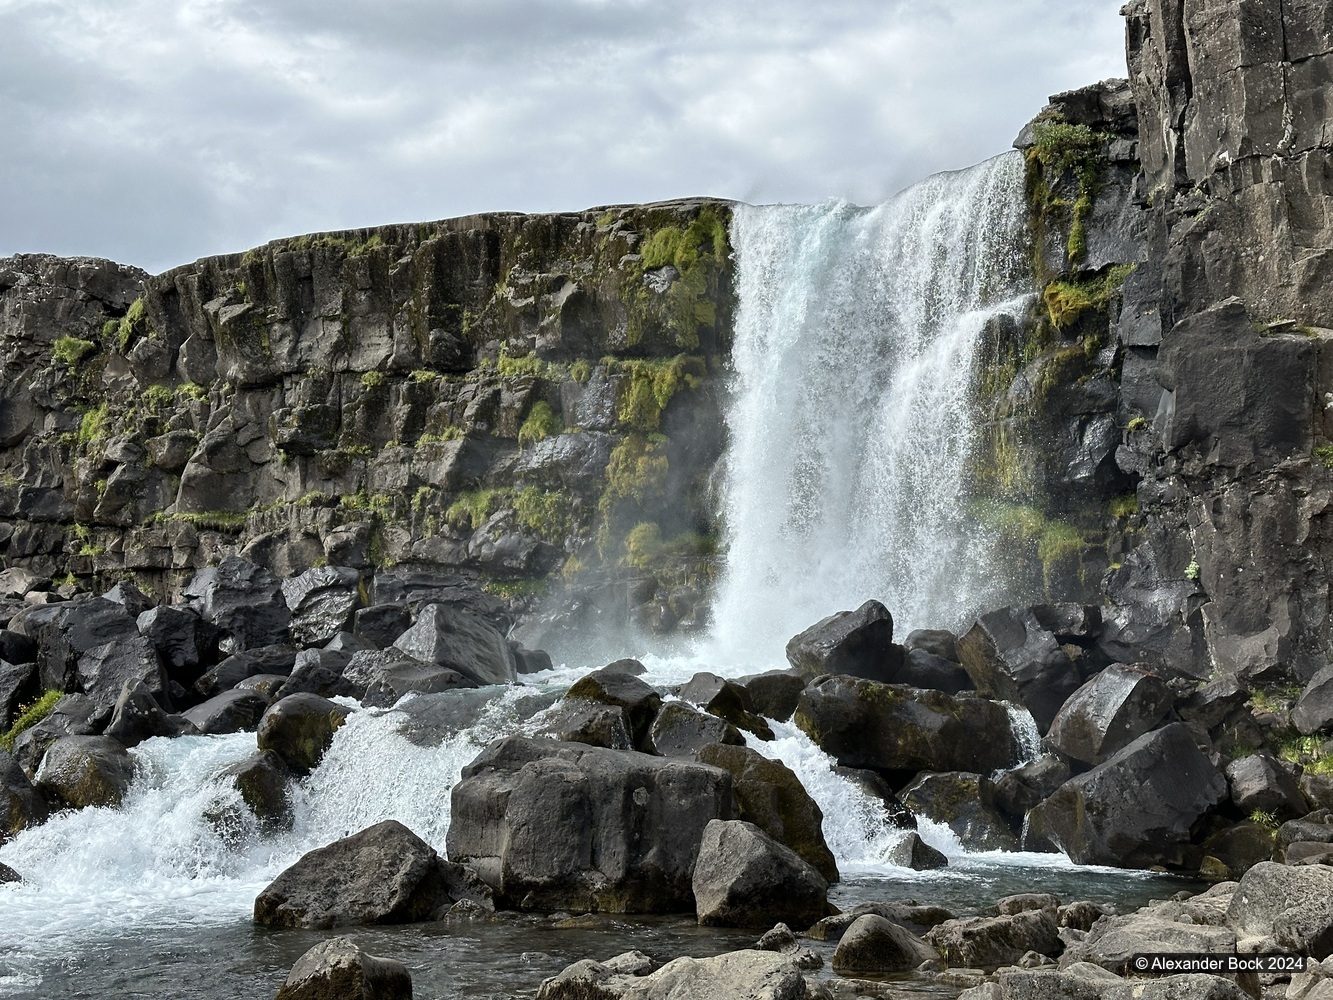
(542, 423)
(372, 379)
(70, 351)
(94, 425)
(581, 370)
(421, 375)
(1192, 570)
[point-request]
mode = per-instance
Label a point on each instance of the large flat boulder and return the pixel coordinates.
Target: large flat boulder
(1110, 711)
(866, 724)
(744, 878)
(989, 942)
(454, 637)
(754, 975)
(553, 825)
(1010, 656)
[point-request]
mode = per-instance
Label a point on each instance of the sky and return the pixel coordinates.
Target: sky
(154, 132)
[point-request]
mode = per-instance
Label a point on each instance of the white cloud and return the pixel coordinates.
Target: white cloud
(155, 131)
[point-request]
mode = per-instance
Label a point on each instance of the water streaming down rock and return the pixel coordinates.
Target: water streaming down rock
(852, 418)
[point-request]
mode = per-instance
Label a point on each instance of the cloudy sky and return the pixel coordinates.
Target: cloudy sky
(158, 131)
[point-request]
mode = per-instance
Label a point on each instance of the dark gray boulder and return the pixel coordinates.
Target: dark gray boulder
(1137, 808)
(1114, 708)
(338, 968)
(865, 724)
(1026, 786)
(1291, 907)
(129, 597)
(184, 641)
(965, 803)
(275, 659)
(1313, 711)
(137, 716)
(68, 631)
(243, 600)
(1080, 624)
(1010, 656)
(321, 672)
(299, 728)
(859, 643)
(234, 711)
(530, 661)
(1261, 783)
(391, 682)
(913, 852)
(577, 720)
(553, 825)
(322, 602)
(769, 795)
(989, 942)
(262, 780)
(744, 878)
(873, 946)
(613, 686)
(84, 771)
(8, 875)
(453, 637)
(382, 624)
(104, 671)
(926, 670)
(727, 700)
(1240, 847)
(21, 806)
(71, 716)
(874, 785)
(385, 874)
(17, 648)
(774, 693)
(935, 641)
(680, 731)
(18, 686)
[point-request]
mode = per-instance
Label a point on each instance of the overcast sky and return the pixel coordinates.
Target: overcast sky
(157, 131)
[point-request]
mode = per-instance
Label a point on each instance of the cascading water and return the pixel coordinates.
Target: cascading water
(852, 421)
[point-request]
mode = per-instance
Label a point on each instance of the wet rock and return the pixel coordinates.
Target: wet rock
(553, 825)
(935, 641)
(989, 942)
(460, 640)
(530, 661)
(859, 643)
(275, 659)
(18, 686)
(382, 624)
(964, 802)
(890, 727)
(299, 728)
(385, 874)
(70, 630)
(782, 940)
(243, 600)
(744, 878)
(873, 946)
(1011, 657)
(1138, 807)
(613, 686)
(390, 682)
(8, 875)
(589, 980)
(1109, 712)
(1313, 828)
(234, 711)
(183, 640)
(71, 716)
(727, 700)
(1261, 783)
(1313, 711)
(137, 717)
(262, 781)
(1291, 907)
(926, 670)
(322, 602)
(338, 968)
(1017, 791)
(755, 975)
(17, 648)
(913, 852)
(774, 693)
(681, 731)
(86, 771)
(577, 720)
(771, 797)
(1070, 623)
(320, 671)
(104, 671)
(872, 784)
(21, 806)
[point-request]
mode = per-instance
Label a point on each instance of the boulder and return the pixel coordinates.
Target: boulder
(1109, 712)
(913, 852)
(774, 693)
(137, 717)
(1289, 908)
(1010, 656)
(754, 975)
(577, 720)
(1017, 791)
(21, 806)
(771, 797)
(1261, 783)
(71, 716)
(235, 711)
(16, 647)
(744, 878)
(1195, 925)
(530, 661)
(262, 781)
(1240, 847)
(276, 659)
(320, 671)
(65, 632)
(681, 731)
(858, 643)
(1313, 710)
(18, 687)
(935, 641)
(453, 637)
(873, 946)
(614, 685)
(338, 968)
(915, 918)
(104, 671)
(725, 699)
(926, 670)
(873, 785)
(8, 875)
(553, 825)
(183, 640)
(86, 771)
(1007, 906)
(989, 942)
(1081, 914)
(782, 940)
(589, 980)
(321, 602)
(965, 803)
(129, 597)
(1082, 981)
(386, 686)
(1137, 808)
(889, 727)
(385, 874)
(299, 728)
(382, 624)
(243, 600)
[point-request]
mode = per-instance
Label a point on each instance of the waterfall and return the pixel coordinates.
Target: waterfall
(852, 417)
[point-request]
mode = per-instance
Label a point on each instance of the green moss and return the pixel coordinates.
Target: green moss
(541, 423)
(378, 505)
(447, 433)
(1059, 540)
(1192, 570)
(1067, 301)
(511, 589)
(1323, 454)
(643, 545)
(134, 325)
(1124, 506)
(91, 551)
(94, 425)
(421, 375)
(350, 247)
(472, 508)
(527, 364)
(191, 390)
(225, 521)
(549, 513)
(29, 717)
(1064, 151)
(698, 253)
(373, 380)
(636, 468)
(651, 386)
(70, 351)
(581, 370)
(1136, 423)
(157, 398)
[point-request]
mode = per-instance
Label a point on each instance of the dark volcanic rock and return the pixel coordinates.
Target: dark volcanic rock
(681, 731)
(338, 968)
(385, 874)
(382, 624)
(460, 640)
(889, 727)
(1010, 656)
(1138, 807)
(70, 630)
(577, 720)
(926, 670)
(913, 852)
(1313, 711)
(299, 728)
(232, 711)
(874, 785)
(1259, 782)
(744, 878)
(18, 686)
(262, 781)
(137, 716)
(1291, 907)
(857, 642)
(965, 803)
(774, 693)
(243, 600)
(71, 716)
(554, 825)
(86, 771)
(20, 804)
(873, 946)
(105, 670)
(727, 700)
(1116, 707)
(184, 641)
(321, 602)
(1017, 791)
(613, 686)
(320, 671)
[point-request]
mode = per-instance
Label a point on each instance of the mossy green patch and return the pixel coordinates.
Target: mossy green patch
(542, 422)
(94, 425)
(471, 509)
(29, 717)
(684, 304)
(70, 351)
(651, 386)
(1068, 300)
(548, 513)
(1064, 151)
(133, 325)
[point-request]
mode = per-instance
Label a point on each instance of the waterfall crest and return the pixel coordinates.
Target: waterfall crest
(851, 422)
